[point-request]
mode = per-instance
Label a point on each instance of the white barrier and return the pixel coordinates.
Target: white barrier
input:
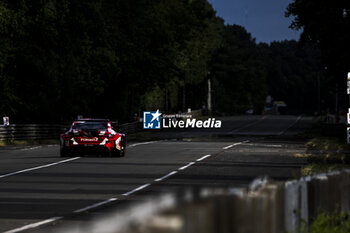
(269, 207)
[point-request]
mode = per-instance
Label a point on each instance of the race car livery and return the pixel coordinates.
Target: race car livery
(87, 136)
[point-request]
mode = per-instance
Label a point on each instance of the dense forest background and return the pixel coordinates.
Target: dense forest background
(63, 58)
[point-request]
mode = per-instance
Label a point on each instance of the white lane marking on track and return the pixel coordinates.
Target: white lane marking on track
(227, 147)
(142, 143)
(39, 167)
(95, 205)
(186, 166)
(235, 144)
(137, 189)
(30, 148)
(204, 157)
(248, 125)
(34, 225)
(265, 145)
(274, 146)
(298, 119)
(166, 176)
(146, 185)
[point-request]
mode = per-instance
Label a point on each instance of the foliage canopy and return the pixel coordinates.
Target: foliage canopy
(63, 58)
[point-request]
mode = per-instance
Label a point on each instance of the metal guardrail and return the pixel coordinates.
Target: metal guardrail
(196, 113)
(50, 131)
(30, 131)
(133, 127)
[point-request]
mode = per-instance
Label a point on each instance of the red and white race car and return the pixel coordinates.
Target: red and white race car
(88, 136)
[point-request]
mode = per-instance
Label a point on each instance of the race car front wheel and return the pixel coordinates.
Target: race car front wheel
(117, 153)
(122, 151)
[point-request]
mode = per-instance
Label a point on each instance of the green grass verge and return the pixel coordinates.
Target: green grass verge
(329, 223)
(321, 168)
(319, 142)
(324, 153)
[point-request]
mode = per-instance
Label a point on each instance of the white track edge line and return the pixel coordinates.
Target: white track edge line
(186, 166)
(227, 147)
(235, 144)
(31, 148)
(248, 125)
(95, 205)
(34, 225)
(296, 121)
(166, 176)
(39, 167)
(141, 143)
(204, 157)
(137, 189)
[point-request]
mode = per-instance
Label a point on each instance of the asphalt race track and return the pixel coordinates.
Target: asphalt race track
(42, 192)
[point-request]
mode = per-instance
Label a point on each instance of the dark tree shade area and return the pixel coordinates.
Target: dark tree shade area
(114, 58)
(326, 25)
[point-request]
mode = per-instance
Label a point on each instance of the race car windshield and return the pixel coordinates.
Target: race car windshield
(90, 125)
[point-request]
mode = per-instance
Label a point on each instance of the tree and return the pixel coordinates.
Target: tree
(9, 29)
(63, 58)
(239, 84)
(325, 24)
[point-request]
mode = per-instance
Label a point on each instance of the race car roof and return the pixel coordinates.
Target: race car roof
(92, 119)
